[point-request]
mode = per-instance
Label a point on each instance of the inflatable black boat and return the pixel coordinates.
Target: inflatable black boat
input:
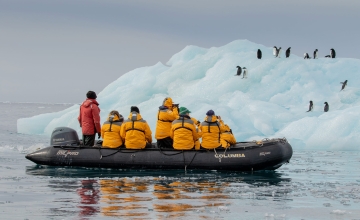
(66, 150)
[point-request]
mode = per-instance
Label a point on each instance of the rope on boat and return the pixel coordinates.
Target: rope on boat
(190, 161)
(101, 156)
(169, 154)
(217, 155)
(283, 140)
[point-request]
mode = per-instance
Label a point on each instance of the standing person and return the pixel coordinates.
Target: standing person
(89, 119)
(211, 130)
(183, 132)
(110, 131)
(167, 113)
(227, 137)
(185, 111)
(136, 131)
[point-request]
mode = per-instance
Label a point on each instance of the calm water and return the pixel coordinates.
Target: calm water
(315, 185)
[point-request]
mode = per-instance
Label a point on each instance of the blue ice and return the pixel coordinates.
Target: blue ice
(271, 102)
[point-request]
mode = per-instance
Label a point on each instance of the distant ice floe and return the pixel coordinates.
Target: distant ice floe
(271, 102)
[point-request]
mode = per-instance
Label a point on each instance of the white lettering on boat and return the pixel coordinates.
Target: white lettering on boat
(264, 153)
(229, 155)
(67, 152)
(59, 139)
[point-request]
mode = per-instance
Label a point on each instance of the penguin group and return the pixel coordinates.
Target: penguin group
(243, 70)
(311, 106)
(277, 53)
(326, 107)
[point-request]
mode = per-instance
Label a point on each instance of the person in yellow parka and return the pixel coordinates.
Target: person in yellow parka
(211, 130)
(110, 130)
(136, 131)
(227, 137)
(185, 111)
(183, 132)
(167, 113)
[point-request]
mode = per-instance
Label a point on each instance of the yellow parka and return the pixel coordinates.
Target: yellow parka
(227, 138)
(197, 142)
(197, 125)
(136, 132)
(183, 132)
(211, 130)
(166, 115)
(110, 132)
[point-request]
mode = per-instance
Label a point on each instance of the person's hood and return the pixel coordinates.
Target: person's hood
(134, 116)
(88, 102)
(114, 117)
(168, 102)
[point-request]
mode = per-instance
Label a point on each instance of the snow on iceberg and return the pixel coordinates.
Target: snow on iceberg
(271, 102)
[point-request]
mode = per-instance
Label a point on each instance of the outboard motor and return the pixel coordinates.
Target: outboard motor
(64, 136)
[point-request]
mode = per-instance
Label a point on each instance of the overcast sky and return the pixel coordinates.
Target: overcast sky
(54, 51)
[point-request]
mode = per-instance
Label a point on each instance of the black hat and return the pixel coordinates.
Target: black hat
(210, 113)
(91, 95)
(134, 109)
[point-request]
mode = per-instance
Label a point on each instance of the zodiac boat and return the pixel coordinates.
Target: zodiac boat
(66, 150)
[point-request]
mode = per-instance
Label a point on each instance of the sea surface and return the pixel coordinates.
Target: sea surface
(314, 185)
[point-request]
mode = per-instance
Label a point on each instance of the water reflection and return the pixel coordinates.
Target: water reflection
(256, 178)
(160, 194)
(89, 198)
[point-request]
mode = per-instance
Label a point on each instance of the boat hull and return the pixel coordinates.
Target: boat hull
(244, 156)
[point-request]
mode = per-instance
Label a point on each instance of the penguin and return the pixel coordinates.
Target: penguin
(275, 51)
(332, 53)
(316, 54)
(343, 85)
(306, 56)
(327, 56)
(238, 71)
(311, 106)
(287, 53)
(326, 107)
(259, 54)
(278, 52)
(245, 72)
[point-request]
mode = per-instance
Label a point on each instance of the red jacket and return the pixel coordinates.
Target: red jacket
(89, 117)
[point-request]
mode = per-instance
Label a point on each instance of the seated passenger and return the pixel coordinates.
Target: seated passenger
(110, 130)
(183, 133)
(185, 111)
(227, 137)
(211, 130)
(167, 113)
(136, 131)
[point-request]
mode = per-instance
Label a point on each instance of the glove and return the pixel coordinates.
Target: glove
(99, 135)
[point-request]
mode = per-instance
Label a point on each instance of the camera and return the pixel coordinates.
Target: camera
(176, 105)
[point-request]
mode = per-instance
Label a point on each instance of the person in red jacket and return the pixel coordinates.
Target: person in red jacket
(89, 119)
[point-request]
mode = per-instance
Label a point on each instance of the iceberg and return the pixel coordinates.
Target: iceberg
(271, 102)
